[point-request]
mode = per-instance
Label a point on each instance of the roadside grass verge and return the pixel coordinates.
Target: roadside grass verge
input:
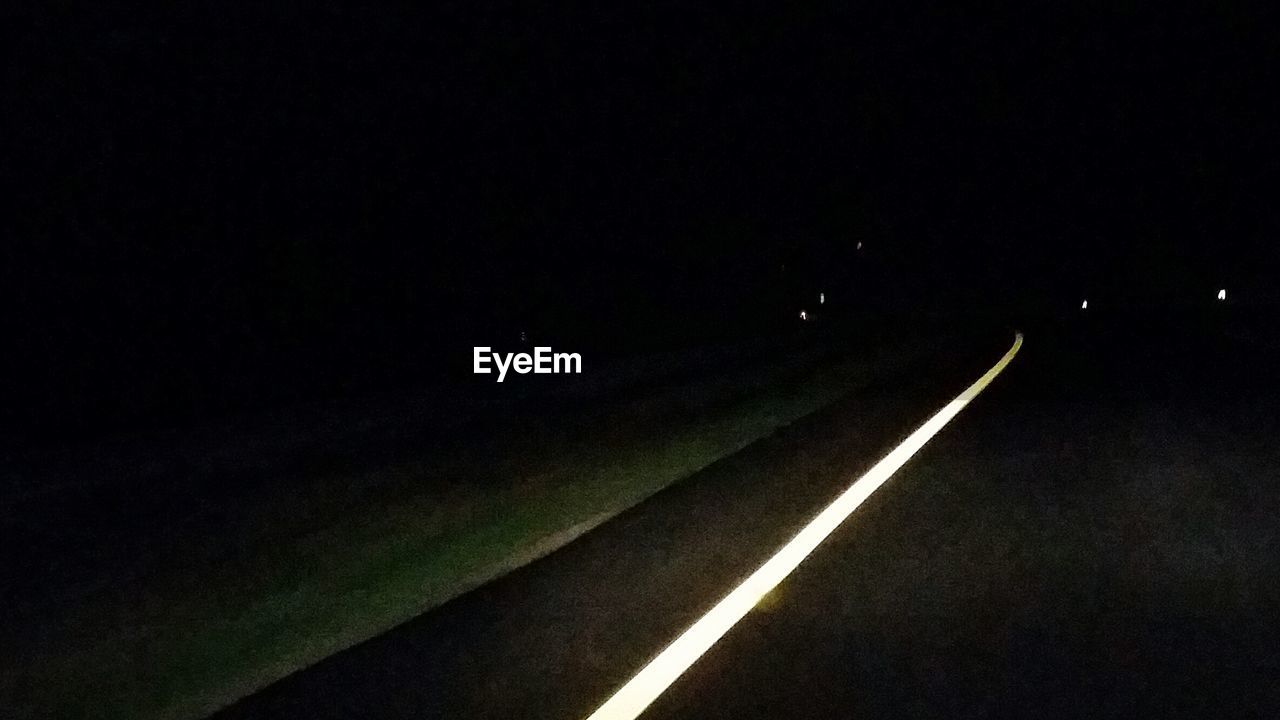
(322, 569)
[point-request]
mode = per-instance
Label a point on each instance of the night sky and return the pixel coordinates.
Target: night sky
(214, 207)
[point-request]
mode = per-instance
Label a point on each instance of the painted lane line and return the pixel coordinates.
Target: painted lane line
(654, 678)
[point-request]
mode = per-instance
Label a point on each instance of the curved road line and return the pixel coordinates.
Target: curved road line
(654, 678)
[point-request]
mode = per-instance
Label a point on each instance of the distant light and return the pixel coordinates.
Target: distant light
(524, 337)
(1222, 294)
(1084, 305)
(822, 298)
(859, 245)
(804, 315)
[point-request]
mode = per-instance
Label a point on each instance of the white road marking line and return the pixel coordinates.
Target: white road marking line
(654, 678)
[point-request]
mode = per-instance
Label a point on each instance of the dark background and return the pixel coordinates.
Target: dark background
(211, 208)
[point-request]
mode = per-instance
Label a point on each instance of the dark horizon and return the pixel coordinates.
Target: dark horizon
(226, 207)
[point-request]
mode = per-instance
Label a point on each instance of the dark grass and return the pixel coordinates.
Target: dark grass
(286, 579)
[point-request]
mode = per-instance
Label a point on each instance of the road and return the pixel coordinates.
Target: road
(1096, 534)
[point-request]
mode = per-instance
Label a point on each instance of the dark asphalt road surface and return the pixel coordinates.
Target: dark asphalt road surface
(1095, 535)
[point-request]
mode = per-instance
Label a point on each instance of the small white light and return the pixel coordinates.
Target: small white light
(1222, 294)
(804, 315)
(822, 298)
(859, 244)
(1084, 305)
